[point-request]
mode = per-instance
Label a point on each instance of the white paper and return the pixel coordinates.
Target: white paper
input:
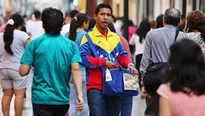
(108, 76)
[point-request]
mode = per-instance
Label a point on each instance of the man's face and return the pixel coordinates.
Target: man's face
(103, 18)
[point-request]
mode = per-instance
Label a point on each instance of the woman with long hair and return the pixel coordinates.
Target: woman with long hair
(183, 93)
(78, 28)
(13, 43)
(138, 40)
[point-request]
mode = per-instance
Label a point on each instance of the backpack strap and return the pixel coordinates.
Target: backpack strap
(177, 33)
(91, 45)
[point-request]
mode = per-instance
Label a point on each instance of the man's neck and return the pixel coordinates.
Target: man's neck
(102, 30)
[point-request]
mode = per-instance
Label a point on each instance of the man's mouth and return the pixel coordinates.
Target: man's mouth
(105, 23)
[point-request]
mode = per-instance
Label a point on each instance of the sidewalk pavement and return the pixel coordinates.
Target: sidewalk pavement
(138, 104)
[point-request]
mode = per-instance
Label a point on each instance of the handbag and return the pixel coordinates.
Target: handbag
(117, 81)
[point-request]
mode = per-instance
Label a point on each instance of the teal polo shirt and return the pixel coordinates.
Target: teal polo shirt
(52, 57)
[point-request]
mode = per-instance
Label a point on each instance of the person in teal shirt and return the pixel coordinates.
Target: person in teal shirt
(54, 58)
(78, 27)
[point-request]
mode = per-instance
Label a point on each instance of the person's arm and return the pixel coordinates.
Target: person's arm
(166, 96)
(76, 76)
(125, 60)
(24, 70)
(125, 45)
(164, 107)
(26, 60)
(26, 42)
(122, 57)
(77, 80)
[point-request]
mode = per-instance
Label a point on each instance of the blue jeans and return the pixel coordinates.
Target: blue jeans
(101, 105)
(126, 106)
(73, 96)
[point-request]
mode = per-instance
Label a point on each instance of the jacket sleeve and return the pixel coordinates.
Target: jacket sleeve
(87, 56)
(123, 58)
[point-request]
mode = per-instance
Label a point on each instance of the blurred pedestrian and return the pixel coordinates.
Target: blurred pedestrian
(156, 50)
(34, 27)
(131, 31)
(67, 20)
(159, 21)
(138, 40)
(152, 24)
(78, 28)
(12, 44)
(92, 23)
(54, 58)
(183, 93)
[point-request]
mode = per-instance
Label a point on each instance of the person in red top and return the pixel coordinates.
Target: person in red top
(126, 101)
(112, 55)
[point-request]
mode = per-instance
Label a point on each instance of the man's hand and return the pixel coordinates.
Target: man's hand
(133, 69)
(109, 64)
(79, 104)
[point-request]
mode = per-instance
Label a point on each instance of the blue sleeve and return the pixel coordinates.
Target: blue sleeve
(87, 57)
(122, 51)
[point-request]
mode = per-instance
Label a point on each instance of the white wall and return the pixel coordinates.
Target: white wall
(189, 6)
(178, 5)
(157, 8)
(132, 11)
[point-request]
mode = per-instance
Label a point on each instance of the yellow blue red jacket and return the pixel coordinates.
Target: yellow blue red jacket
(108, 48)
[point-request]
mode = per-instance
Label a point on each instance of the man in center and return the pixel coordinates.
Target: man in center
(112, 55)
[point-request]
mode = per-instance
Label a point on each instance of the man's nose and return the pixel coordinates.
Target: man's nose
(106, 17)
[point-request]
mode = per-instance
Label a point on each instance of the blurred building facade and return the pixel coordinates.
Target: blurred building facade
(138, 9)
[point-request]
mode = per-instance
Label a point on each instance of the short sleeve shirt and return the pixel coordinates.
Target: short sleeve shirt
(17, 47)
(52, 57)
(181, 103)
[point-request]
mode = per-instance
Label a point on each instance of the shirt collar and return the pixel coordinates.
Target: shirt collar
(170, 26)
(97, 32)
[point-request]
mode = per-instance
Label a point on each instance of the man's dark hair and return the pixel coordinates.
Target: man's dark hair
(102, 6)
(172, 16)
(73, 13)
(111, 27)
(52, 20)
(92, 23)
(159, 21)
(37, 14)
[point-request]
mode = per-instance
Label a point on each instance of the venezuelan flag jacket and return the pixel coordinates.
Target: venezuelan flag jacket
(108, 48)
